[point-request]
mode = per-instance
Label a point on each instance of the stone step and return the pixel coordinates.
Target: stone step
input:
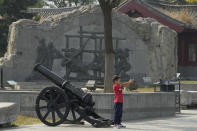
(42, 85)
(32, 85)
(8, 112)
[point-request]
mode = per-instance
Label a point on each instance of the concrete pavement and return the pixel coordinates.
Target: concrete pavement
(187, 121)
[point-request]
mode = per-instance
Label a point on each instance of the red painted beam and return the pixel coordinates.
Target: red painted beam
(133, 5)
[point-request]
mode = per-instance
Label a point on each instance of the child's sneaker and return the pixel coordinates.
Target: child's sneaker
(122, 126)
(117, 126)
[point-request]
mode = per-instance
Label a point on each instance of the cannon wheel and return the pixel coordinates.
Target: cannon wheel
(74, 118)
(54, 102)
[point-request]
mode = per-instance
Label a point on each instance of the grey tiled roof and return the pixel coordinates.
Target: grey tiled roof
(44, 13)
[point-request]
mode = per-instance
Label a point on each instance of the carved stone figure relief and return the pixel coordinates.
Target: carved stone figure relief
(73, 58)
(46, 54)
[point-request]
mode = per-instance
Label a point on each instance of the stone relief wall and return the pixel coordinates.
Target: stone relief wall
(71, 44)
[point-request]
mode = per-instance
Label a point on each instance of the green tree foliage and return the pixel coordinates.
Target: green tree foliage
(191, 1)
(184, 2)
(11, 11)
(122, 1)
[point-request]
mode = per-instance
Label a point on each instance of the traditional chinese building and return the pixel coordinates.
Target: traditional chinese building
(187, 32)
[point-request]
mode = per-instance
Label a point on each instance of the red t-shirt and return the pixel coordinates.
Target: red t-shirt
(118, 93)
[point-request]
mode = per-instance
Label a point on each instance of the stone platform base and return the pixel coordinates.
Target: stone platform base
(8, 113)
(136, 105)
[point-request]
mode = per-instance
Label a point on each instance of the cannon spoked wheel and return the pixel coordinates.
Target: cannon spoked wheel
(52, 106)
(74, 117)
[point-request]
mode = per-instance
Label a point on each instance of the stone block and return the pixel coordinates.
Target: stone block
(186, 98)
(105, 101)
(171, 99)
(141, 100)
(130, 100)
(168, 113)
(164, 99)
(8, 112)
(156, 99)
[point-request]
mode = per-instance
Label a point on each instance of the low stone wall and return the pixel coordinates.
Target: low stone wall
(136, 105)
(188, 87)
(188, 94)
(188, 98)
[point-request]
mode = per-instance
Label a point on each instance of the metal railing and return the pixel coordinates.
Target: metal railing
(1, 75)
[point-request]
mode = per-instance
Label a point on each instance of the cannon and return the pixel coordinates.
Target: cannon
(55, 105)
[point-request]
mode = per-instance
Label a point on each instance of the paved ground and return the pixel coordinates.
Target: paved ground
(187, 121)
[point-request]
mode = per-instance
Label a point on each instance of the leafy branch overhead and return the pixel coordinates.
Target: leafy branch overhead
(109, 3)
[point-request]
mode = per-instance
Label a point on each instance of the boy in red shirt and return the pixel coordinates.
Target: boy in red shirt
(118, 101)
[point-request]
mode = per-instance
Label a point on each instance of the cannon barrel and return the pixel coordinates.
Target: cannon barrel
(85, 97)
(50, 75)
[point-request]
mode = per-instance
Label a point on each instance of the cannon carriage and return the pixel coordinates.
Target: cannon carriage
(54, 105)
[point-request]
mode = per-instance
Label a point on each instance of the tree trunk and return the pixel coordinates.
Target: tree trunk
(109, 55)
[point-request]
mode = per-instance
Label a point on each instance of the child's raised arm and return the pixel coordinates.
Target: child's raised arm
(127, 83)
